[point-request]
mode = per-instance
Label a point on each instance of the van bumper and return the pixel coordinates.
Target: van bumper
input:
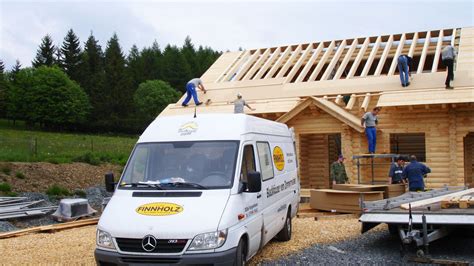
(103, 257)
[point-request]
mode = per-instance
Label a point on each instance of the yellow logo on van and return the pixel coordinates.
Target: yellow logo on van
(159, 209)
(188, 128)
(278, 158)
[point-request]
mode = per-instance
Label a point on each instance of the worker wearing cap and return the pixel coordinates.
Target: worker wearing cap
(239, 104)
(338, 171)
(414, 172)
(191, 91)
(396, 171)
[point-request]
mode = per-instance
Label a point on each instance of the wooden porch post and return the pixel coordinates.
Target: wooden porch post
(452, 148)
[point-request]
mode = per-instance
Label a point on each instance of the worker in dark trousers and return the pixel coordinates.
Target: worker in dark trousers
(414, 173)
(448, 54)
(338, 171)
(191, 91)
(404, 67)
(370, 121)
(396, 171)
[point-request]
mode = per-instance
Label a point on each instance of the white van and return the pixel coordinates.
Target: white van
(207, 190)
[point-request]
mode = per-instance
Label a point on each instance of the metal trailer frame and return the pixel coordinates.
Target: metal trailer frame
(372, 163)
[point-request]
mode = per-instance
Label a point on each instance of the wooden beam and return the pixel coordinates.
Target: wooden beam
(268, 63)
(346, 60)
(413, 44)
(437, 54)
(321, 62)
(394, 64)
(338, 100)
(421, 64)
(365, 103)
(334, 60)
(310, 62)
(234, 69)
(351, 102)
(289, 63)
(300, 61)
(371, 58)
(257, 65)
(278, 63)
(359, 57)
(424, 202)
(232, 65)
(453, 37)
(241, 72)
(388, 46)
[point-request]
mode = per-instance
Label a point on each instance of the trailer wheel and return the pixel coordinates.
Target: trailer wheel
(420, 253)
(240, 254)
(285, 233)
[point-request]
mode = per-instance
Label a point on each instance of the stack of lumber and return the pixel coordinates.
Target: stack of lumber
(340, 200)
(389, 191)
(462, 202)
(466, 195)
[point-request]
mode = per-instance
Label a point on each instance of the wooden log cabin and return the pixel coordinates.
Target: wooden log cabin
(322, 89)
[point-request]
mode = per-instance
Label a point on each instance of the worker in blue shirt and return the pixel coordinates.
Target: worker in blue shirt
(415, 172)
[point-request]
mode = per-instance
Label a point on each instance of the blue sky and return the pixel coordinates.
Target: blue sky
(223, 25)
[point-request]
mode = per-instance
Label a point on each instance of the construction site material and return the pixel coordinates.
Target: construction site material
(50, 228)
(462, 202)
(372, 163)
(72, 209)
(389, 190)
(436, 199)
(17, 207)
(341, 201)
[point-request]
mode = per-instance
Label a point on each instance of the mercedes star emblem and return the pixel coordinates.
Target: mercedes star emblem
(149, 243)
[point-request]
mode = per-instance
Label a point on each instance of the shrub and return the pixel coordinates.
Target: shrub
(5, 187)
(56, 190)
(6, 170)
(80, 193)
(89, 158)
(20, 175)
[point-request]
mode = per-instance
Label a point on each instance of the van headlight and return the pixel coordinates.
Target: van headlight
(210, 240)
(104, 239)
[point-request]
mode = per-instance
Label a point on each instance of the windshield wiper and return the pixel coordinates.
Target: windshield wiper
(186, 184)
(141, 184)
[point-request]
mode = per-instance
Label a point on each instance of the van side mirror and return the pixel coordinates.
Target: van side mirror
(109, 182)
(254, 181)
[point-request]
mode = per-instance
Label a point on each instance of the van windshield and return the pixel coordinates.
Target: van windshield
(181, 165)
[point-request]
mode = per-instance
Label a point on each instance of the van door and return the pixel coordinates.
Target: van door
(252, 201)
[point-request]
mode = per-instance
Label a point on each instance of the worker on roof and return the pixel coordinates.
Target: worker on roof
(191, 91)
(396, 171)
(370, 121)
(338, 171)
(448, 54)
(404, 67)
(414, 172)
(239, 105)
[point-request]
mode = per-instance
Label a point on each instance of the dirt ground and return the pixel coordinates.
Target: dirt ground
(39, 176)
(76, 246)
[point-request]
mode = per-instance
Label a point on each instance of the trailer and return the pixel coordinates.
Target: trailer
(420, 218)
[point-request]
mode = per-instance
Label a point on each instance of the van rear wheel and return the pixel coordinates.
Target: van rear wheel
(285, 233)
(240, 254)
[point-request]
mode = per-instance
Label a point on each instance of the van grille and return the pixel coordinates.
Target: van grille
(163, 245)
(145, 260)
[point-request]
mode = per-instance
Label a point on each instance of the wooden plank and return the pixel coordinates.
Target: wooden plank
(466, 202)
(339, 99)
(366, 102)
(243, 70)
(346, 60)
(413, 45)
(229, 75)
(334, 60)
(383, 58)
(436, 199)
(257, 64)
(268, 63)
(359, 57)
(437, 54)
(421, 64)
(310, 62)
(371, 58)
(351, 102)
(289, 63)
(278, 63)
(300, 61)
(401, 45)
(231, 66)
(322, 61)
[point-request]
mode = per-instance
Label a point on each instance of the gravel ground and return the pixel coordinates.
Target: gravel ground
(378, 248)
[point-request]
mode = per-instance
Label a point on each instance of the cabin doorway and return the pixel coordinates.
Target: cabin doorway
(469, 159)
(317, 152)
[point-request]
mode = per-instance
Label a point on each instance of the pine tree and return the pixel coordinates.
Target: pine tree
(71, 55)
(3, 90)
(189, 54)
(45, 53)
(135, 66)
(15, 70)
(176, 70)
(2, 67)
(152, 62)
(205, 58)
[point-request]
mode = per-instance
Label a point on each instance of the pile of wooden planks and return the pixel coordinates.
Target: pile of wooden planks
(389, 191)
(462, 202)
(342, 201)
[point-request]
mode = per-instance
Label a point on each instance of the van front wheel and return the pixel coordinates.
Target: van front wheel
(240, 256)
(285, 233)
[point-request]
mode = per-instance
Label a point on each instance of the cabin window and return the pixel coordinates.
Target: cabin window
(265, 159)
(409, 144)
(248, 163)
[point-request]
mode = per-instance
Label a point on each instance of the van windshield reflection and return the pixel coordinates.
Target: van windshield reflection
(181, 165)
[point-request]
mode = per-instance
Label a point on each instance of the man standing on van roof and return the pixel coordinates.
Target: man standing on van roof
(239, 104)
(396, 171)
(415, 172)
(191, 91)
(369, 120)
(338, 171)
(448, 54)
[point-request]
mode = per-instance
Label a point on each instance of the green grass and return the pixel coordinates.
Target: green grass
(6, 170)
(5, 187)
(18, 144)
(56, 190)
(20, 175)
